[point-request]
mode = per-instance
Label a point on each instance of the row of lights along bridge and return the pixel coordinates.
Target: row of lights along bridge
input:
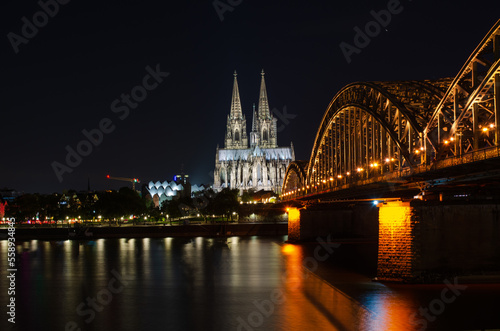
(325, 183)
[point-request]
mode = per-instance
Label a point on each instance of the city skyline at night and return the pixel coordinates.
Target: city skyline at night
(250, 165)
(73, 78)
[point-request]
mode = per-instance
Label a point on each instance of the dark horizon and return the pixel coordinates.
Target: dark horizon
(67, 76)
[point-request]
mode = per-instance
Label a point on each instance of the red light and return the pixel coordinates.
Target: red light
(107, 176)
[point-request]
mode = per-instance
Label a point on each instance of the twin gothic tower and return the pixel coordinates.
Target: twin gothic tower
(264, 125)
(258, 164)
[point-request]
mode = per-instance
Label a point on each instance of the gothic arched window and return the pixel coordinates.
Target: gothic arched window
(236, 135)
(264, 135)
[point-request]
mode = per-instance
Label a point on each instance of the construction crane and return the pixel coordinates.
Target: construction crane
(133, 180)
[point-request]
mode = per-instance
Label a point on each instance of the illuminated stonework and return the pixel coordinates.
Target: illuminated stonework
(396, 247)
(293, 224)
(263, 165)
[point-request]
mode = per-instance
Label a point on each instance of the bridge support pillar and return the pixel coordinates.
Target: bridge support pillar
(397, 250)
(431, 241)
(293, 224)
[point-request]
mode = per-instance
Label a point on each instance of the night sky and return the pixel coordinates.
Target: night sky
(67, 76)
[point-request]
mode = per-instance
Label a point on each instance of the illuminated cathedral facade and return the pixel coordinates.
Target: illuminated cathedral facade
(251, 162)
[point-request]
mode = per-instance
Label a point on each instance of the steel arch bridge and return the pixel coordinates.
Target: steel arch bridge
(376, 131)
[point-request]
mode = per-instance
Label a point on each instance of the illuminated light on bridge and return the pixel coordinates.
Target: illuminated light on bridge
(420, 126)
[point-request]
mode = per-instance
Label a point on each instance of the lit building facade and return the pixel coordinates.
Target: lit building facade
(254, 162)
(168, 190)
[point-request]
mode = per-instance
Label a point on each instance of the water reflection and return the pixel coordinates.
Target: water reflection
(199, 283)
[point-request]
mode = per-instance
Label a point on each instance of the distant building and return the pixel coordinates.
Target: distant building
(168, 190)
(9, 195)
(261, 166)
(181, 179)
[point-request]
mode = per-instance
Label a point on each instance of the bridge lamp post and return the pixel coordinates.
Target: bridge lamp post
(374, 165)
(359, 173)
(446, 144)
(417, 155)
(390, 162)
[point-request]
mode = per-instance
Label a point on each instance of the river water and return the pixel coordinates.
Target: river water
(242, 283)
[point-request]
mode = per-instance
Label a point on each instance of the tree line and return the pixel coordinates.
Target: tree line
(113, 205)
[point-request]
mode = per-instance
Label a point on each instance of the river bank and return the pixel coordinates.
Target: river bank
(205, 230)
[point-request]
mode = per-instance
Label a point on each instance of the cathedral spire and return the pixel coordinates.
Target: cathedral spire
(236, 130)
(254, 120)
(236, 111)
(263, 102)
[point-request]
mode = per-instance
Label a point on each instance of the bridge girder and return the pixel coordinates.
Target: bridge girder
(375, 123)
(295, 176)
(374, 127)
(466, 119)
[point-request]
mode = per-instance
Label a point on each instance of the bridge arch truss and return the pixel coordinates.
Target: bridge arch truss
(374, 128)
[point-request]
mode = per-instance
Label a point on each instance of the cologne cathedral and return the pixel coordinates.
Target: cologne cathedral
(256, 163)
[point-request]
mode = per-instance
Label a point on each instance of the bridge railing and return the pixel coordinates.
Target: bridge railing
(346, 182)
(479, 155)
